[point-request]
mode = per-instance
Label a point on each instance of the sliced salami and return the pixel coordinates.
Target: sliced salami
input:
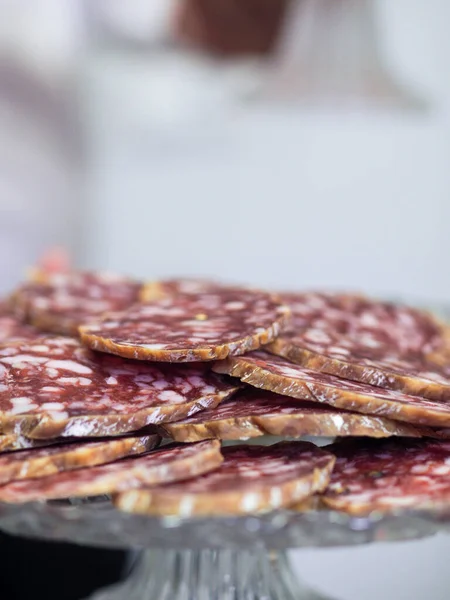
(13, 329)
(377, 343)
(389, 475)
(372, 325)
(168, 464)
(190, 327)
(277, 374)
(251, 479)
(155, 290)
(56, 387)
(60, 302)
(252, 413)
(40, 462)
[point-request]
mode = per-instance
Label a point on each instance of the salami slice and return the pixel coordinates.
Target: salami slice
(168, 464)
(377, 343)
(190, 327)
(277, 374)
(251, 479)
(40, 462)
(155, 290)
(13, 329)
(56, 387)
(372, 325)
(60, 302)
(252, 413)
(389, 475)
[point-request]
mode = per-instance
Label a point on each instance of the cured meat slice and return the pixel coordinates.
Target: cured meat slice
(168, 464)
(60, 302)
(13, 329)
(190, 327)
(277, 374)
(252, 413)
(372, 342)
(389, 475)
(251, 479)
(372, 324)
(155, 290)
(56, 387)
(40, 462)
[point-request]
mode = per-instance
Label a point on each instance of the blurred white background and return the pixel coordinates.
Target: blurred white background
(183, 178)
(270, 193)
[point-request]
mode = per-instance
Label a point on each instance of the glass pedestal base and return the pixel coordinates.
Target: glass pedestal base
(210, 575)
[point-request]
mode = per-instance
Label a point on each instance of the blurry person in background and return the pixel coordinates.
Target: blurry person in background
(230, 27)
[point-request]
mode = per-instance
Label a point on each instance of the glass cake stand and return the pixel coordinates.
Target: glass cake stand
(210, 559)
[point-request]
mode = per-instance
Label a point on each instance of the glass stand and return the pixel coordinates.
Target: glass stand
(210, 575)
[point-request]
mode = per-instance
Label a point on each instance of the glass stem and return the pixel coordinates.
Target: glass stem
(254, 574)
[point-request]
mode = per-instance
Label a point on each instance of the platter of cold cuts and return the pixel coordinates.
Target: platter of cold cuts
(194, 413)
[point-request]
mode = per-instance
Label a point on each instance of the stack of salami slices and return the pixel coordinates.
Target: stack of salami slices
(110, 386)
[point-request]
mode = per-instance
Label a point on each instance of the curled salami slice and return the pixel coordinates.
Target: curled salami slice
(377, 343)
(251, 479)
(252, 413)
(60, 302)
(277, 374)
(190, 327)
(40, 462)
(56, 387)
(168, 464)
(155, 290)
(389, 475)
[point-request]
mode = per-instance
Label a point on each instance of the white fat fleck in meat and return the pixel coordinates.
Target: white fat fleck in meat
(3, 388)
(75, 380)
(196, 380)
(51, 388)
(235, 305)
(52, 373)
(208, 389)
(439, 470)
(69, 365)
(337, 420)
(58, 415)
(317, 336)
(367, 319)
(160, 384)
(41, 303)
(338, 350)
(21, 401)
(40, 348)
(171, 396)
(110, 325)
(249, 502)
(21, 409)
(23, 359)
(153, 346)
(111, 380)
(53, 406)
